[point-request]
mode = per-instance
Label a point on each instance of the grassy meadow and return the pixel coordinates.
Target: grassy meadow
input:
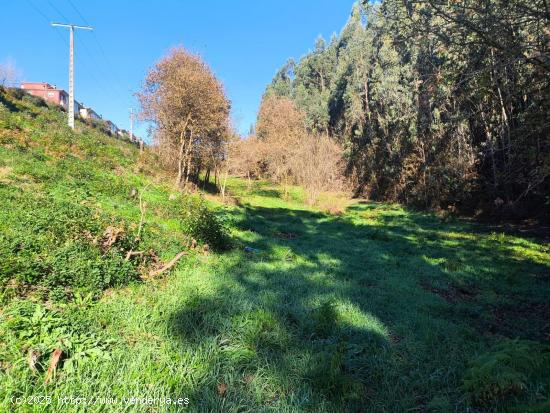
(376, 309)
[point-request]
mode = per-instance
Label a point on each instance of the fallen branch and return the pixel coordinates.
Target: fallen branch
(169, 265)
(132, 253)
(56, 356)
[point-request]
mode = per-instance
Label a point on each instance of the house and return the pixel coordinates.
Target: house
(113, 129)
(123, 134)
(88, 113)
(77, 108)
(47, 92)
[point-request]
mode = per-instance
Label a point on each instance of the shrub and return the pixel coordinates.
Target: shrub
(34, 100)
(316, 163)
(202, 224)
(16, 93)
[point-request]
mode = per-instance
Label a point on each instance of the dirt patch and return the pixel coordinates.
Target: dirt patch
(451, 294)
(286, 235)
(525, 320)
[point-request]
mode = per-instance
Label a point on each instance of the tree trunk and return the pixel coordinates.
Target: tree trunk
(179, 178)
(489, 139)
(224, 184)
(206, 178)
(181, 158)
(187, 170)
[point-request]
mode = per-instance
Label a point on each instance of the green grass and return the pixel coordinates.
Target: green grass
(381, 309)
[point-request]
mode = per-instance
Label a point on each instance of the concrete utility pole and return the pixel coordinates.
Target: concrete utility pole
(131, 124)
(71, 67)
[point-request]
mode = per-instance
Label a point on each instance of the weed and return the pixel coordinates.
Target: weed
(41, 330)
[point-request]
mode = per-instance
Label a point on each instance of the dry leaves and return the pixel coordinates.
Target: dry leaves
(110, 236)
(222, 389)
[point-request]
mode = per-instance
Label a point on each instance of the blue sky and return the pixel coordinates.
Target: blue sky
(244, 41)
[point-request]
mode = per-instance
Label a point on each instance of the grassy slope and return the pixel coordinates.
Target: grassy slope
(380, 309)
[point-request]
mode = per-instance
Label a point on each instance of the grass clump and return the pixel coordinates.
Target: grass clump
(507, 371)
(325, 319)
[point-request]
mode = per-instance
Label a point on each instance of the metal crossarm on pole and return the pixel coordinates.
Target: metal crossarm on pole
(71, 27)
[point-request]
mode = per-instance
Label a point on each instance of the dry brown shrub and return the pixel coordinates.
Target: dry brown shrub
(316, 163)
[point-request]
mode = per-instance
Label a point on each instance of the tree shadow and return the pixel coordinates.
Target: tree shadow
(268, 193)
(354, 314)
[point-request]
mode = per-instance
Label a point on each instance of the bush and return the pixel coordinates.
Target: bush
(16, 93)
(510, 370)
(202, 224)
(35, 100)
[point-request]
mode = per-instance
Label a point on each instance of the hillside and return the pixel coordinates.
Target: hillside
(289, 308)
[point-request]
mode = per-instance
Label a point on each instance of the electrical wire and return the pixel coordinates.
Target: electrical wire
(118, 83)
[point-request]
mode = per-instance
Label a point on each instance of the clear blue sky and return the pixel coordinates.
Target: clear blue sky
(244, 41)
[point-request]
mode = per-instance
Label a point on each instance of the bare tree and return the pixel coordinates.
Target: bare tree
(246, 158)
(186, 102)
(316, 164)
(281, 126)
(9, 75)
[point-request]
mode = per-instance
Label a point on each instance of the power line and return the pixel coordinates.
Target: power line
(78, 12)
(96, 67)
(107, 90)
(58, 11)
(41, 13)
(114, 76)
(100, 47)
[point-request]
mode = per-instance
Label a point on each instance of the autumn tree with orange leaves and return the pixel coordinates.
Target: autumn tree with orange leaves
(293, 154)
(189, 110)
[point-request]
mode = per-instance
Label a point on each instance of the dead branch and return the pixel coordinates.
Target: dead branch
(169, 265)
(142, 206)
(132, 253)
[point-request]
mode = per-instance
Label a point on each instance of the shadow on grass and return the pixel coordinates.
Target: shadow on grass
(268, 193)
(209, 187)
(357, 313)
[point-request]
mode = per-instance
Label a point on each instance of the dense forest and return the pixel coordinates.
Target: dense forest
(436, 104)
